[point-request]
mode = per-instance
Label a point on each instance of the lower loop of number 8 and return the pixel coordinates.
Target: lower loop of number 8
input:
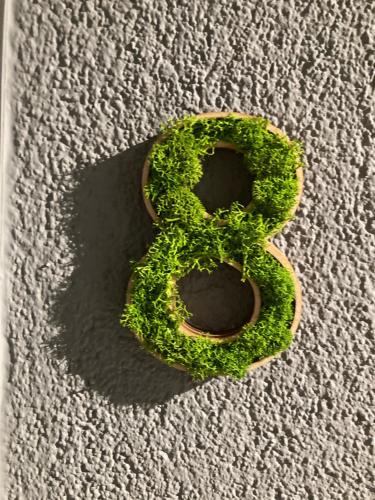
(189, 238)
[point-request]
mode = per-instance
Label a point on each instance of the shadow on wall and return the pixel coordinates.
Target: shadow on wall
(109, 227)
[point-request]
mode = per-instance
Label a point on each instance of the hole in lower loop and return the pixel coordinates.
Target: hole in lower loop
(219, 302)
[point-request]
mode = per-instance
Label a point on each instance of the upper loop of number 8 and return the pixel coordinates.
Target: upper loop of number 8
(191, 238)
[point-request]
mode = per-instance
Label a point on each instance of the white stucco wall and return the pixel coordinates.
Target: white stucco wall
(89, 414)
(6, 65)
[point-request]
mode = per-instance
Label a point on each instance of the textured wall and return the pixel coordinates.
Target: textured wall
(90, 415)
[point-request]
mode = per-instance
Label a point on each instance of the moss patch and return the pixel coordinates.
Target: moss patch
(187, 240)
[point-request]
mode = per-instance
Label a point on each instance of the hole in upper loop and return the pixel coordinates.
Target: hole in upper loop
(225, 179)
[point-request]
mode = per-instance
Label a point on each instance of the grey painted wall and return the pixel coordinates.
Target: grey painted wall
(89, 414)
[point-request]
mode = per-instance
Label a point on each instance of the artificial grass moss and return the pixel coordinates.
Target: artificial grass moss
(188, 240)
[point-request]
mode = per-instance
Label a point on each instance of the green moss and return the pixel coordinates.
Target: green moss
(187, 240)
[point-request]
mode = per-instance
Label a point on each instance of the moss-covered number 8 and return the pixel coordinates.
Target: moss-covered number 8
(190, 238)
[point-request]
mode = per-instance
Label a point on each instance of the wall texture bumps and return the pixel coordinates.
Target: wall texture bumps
(89, 414)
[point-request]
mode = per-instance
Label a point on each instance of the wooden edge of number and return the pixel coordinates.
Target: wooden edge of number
(275, 252)
(144, 181)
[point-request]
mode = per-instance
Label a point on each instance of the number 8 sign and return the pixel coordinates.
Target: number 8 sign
(190, 238)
